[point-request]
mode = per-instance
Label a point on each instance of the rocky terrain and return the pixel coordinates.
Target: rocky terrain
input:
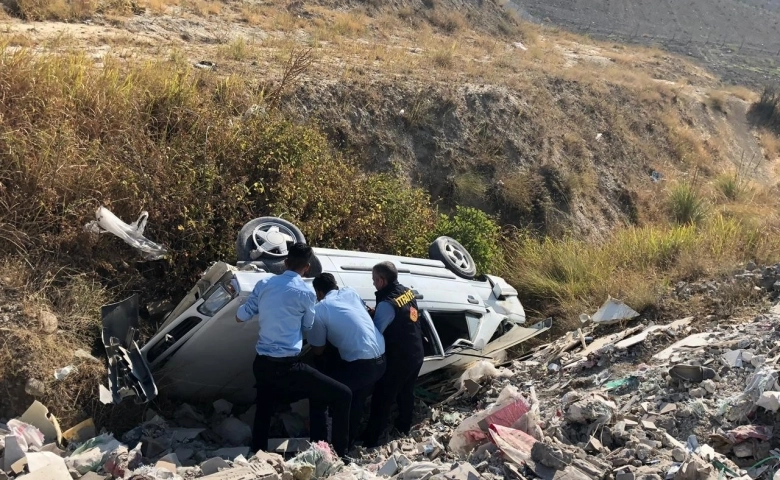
(693, 398)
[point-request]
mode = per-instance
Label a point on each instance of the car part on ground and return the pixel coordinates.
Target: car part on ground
(128, 371)
(266, 237)
(454, 256)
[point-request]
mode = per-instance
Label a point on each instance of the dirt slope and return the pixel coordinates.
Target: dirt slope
(737, 38)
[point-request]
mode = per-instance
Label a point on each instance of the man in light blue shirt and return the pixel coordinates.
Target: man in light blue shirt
(341, 319)
(284, 305)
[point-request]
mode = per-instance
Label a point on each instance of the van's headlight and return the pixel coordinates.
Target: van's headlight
(215, 299)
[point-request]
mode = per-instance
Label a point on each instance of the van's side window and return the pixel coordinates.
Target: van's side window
(450, 326)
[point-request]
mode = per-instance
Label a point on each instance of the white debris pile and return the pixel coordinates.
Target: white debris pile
(695, 399)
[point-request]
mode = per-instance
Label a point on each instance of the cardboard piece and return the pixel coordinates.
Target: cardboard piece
(692, 341)
(13, 452)
(38, 416)
(40, 460)
(81, 432)
(55, 471)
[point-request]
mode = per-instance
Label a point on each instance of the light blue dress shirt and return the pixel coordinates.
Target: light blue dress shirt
(285, 304)
(342, 319)
(383, 315)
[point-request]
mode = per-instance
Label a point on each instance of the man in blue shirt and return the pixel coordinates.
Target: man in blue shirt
(341, 319)
(397, 317)
(284, 305)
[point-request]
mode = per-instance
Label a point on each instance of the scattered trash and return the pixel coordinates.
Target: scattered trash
(132, 234)
(206, 65)
(599, 413)
(613, 311)
(691, 373)
(62, 373)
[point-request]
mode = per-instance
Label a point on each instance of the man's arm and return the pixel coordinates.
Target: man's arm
(383, 315)
(308, 311)
(249, 309)
(318, 334)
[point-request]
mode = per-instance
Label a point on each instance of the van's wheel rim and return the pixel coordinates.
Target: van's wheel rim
(271, 239)
(457, 256)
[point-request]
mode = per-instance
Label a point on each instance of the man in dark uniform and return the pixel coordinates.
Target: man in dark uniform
(284, 305)
(396, 317)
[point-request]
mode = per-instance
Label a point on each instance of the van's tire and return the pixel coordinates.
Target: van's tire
(245, 244)
(454, 256)
(276, 265)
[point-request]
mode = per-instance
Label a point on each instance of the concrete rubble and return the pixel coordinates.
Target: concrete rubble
(694, 399)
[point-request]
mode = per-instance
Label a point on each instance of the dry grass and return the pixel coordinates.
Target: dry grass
(251, 15)
(743, 93)
(204, 8)
(349, 24)
(571, 276)
(717, 100)
(61, 10)
(770, 142)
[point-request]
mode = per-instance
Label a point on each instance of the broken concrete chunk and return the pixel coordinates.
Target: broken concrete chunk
(678, 454)
(234, 431)
(733, 358)
(550, 456)
(34, 387)
(213, 465)
(462, 471)
(697, 392)
(222, 407)
(389, 468)
(769, 400)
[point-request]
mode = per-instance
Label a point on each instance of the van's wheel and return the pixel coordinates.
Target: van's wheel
(454, 256)
(266, 238)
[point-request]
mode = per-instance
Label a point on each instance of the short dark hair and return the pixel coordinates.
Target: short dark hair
(325, 282)
(387, 271)
(298, 256)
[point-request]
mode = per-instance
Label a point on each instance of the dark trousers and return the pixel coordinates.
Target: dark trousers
(397, 385)
(360, 376)
(282, 381)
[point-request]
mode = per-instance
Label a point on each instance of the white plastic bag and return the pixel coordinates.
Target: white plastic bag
(28, 437)
(132, 234)
(508, 409)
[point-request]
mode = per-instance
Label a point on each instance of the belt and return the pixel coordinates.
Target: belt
(279, 359)
(377, 360)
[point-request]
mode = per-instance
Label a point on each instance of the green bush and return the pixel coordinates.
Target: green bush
(476, 231)
(686, 204)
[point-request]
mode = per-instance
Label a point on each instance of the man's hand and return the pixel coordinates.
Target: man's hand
(318, 350)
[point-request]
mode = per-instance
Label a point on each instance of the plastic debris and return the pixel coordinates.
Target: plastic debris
(613, 311)
(62, 373)
(132, 234)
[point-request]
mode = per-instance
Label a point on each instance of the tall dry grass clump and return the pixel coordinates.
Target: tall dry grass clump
(569, 276)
